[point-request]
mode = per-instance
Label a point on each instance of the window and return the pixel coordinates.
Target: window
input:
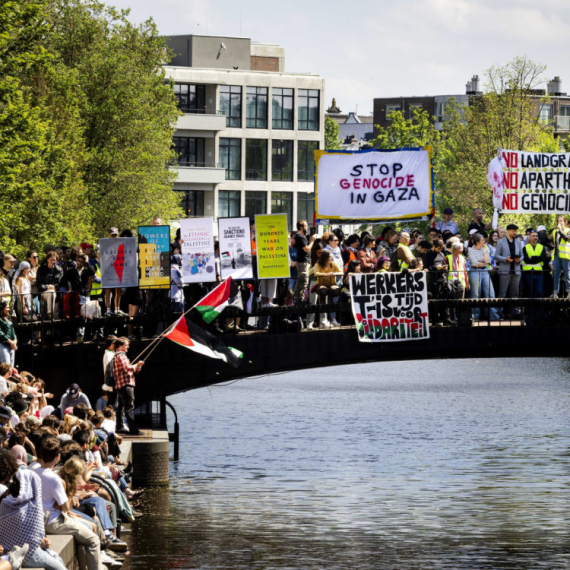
(282, 160)
(282, 203)
(306, 207)
(255, 159)
(255, 203)
(413, 108)
(391, 109)
(565, 110)
(308, 109)
(545, 113)
(190, 151)
(228, 204)
(230, 104)
(191, 98)
(230, 158)
(192, 203)
(282, 103)
(306, 160)
(256, 108)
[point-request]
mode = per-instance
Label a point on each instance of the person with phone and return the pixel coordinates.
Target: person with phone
(509, 254)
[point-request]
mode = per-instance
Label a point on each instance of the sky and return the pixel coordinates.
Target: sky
(381, 48)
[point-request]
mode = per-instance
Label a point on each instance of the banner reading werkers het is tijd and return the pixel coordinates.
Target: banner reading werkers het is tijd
(536, 183)
(373, 184)
(390, 307)
(272, 246)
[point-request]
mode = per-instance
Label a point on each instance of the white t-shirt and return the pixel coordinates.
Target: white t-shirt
(107, 357)
(108, 425)
(52, 492)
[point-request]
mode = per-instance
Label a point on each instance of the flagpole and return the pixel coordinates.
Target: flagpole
(162, 335)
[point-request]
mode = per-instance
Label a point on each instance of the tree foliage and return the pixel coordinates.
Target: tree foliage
(407, 133)
(505, 116)
(332, 131)
(86, 123)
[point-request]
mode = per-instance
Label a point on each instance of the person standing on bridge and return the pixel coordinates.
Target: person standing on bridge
(535, 261)
(477, 222)
(303, 247)
(509, 254)
(447, 224)
(561, 256)
(403, 252)
(125, 386)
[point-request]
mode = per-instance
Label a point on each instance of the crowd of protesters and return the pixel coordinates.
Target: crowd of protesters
(60, 468)
(65, 283)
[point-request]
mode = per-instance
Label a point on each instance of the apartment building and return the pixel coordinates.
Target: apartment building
(245, 143)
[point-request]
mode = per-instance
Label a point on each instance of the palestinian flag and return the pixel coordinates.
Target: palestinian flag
(226, 294)
(191, 336)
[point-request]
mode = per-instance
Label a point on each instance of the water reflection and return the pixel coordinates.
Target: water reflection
(436, 464)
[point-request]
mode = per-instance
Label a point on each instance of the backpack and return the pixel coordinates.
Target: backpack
(110, 373)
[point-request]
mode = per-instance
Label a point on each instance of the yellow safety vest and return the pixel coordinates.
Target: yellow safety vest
(401, 263)
(460, 273)
(96, 287)
(532, 251)
(563, 250)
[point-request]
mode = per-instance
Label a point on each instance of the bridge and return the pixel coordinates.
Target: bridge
(171, 369)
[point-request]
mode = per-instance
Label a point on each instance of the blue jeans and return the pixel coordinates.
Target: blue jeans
(481, 288)
(41, 559)
(559, 265)
(101, 509)
(7, 354)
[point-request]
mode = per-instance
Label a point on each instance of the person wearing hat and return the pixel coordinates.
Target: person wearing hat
(72, 397)
(20, 409)
(5, 415)
(509, 255)
(447, 224)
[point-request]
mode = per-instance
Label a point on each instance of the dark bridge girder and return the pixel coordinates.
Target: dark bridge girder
(171, 369)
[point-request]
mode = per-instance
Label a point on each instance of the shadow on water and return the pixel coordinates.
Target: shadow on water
(452, 465)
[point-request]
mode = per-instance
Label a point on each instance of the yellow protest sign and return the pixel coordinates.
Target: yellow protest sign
(272, 246)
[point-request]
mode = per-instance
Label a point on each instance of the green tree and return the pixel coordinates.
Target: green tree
(504, 117)
(332, 131)
(39, 182)
(128, 111)
(407, 133)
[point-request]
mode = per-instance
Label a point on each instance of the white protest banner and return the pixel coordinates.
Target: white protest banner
(235, 248)
(197, 241)
(373, 184)
(390, 306)
(536, 182)
(118, 262)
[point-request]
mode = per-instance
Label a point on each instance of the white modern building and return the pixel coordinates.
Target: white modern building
(245, 143)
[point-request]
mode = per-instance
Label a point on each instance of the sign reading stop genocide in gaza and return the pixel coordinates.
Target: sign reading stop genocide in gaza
(373, 184)
(535, 182)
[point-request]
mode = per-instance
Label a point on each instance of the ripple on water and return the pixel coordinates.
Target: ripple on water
(457, 464)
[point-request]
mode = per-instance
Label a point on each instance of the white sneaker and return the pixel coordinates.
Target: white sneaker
(554, 296)
(17, 555)
(335, 323)
(325, 324)
(309, 327)
(269, 305)
(108, 561)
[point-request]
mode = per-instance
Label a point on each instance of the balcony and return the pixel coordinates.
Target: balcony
(202, 121)
(200, 173)
(561, 123)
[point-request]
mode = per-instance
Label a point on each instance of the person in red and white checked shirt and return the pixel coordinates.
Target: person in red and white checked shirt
(125, 386)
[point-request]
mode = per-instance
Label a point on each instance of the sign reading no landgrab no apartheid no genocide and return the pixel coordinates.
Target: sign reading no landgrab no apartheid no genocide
(390, 307)
(535, 182)
(373, 184)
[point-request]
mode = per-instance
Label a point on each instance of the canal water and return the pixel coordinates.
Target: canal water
(455, 464)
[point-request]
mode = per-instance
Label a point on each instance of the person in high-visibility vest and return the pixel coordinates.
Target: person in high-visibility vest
(561, 256)
(455, 265)
(403, 252)
(536, 260)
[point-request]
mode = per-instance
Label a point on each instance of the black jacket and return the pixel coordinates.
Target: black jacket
(47, 276)
(72, 281)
